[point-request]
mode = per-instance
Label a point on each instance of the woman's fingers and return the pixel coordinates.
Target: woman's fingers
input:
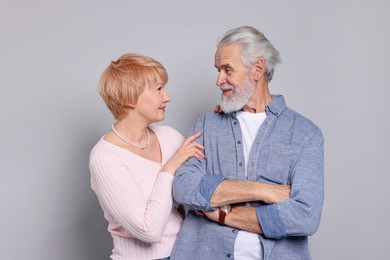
(190, 148)
(199, 155)
(191, 138)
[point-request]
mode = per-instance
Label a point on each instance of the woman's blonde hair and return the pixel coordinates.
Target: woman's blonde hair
(124, 80)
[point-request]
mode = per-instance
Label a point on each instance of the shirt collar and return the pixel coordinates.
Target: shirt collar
(276, 106)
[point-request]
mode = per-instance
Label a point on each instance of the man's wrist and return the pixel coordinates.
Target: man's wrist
(223, 212)
(259, 191)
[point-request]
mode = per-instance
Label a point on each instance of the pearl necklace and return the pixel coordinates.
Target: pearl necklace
(132, 143)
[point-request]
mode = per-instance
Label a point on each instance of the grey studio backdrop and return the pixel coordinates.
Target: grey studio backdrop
(335, 71)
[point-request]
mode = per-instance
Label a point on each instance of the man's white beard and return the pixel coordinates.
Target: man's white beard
(239, 98)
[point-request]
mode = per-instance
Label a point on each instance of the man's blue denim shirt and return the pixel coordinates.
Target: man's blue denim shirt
(288, 149)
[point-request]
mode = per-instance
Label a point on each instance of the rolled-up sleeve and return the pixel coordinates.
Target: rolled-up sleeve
(192, 185)
(300, 214)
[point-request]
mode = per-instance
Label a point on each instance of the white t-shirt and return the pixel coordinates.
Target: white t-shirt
(248, 245)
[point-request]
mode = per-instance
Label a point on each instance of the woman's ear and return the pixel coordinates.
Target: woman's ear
(259, 69)
(131, 104)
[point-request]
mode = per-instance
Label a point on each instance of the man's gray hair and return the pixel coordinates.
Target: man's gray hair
(254, 46)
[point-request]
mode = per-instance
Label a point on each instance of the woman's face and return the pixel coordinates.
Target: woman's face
(151, 103)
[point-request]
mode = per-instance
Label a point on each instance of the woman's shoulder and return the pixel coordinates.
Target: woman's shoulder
(105, 149)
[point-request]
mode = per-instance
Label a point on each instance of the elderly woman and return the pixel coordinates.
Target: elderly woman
(133, 165)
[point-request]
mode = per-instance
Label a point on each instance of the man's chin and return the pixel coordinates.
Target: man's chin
(230, 108)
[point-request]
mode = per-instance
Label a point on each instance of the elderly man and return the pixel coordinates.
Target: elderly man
(259, 192)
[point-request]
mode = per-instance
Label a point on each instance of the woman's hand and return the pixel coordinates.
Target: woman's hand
(188, 149)
(218, 109)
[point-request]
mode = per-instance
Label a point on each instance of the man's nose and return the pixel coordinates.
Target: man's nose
(221, 79)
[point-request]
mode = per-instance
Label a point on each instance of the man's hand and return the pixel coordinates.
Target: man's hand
(241, 217)
(213, 215)
(274, 193)
(236, 191)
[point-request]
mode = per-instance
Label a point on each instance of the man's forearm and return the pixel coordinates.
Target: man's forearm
(244, 218)
(237, 191)
(234, 191)
(240, 217)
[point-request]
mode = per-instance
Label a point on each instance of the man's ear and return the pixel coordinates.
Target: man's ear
(259, 69)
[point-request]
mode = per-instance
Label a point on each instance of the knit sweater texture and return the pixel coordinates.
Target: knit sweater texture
(136, 197)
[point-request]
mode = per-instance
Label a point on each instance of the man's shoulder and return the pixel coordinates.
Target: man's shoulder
(213, 116)
(210, 122)
(300, 121)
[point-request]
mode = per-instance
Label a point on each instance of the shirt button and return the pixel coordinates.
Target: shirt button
(234, 231)
(229, 255)
(240, 164)
(239, 142)
(235, 123)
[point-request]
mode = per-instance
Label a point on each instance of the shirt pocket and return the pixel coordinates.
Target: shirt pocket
(279, 164)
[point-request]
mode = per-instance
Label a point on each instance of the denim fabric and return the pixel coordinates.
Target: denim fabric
(288, 149)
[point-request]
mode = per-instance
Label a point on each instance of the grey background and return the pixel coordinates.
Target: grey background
(335, 71)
